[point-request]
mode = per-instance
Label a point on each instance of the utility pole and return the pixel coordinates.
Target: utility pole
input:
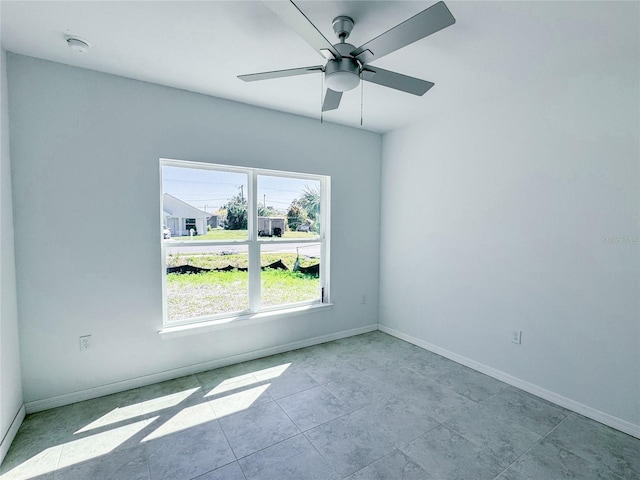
(242, 193)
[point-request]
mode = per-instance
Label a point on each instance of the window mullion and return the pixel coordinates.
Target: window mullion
(325, 229)
(254, 246)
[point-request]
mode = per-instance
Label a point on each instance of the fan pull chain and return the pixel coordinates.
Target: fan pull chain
(361, 95)
(321, 99)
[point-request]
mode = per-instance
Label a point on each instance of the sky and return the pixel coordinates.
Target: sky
(208, 190)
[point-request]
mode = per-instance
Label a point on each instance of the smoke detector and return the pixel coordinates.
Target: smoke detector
(77, 44)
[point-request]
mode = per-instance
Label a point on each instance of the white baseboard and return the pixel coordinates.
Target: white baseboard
(597, 415)
(11, 433)
(69, 398)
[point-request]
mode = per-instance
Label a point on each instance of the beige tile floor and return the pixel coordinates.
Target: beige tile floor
(365, 407)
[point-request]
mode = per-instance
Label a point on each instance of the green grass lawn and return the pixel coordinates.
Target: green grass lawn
(196, 295)
(210, 293)
(281, 287)
(220, 234)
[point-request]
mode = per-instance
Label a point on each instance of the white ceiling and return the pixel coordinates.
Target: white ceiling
(202, 46)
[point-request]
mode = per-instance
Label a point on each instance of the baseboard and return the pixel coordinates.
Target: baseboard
(11, 433)
(69, 398)
(597, 415)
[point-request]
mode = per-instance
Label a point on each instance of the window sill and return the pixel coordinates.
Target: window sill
(238, 321)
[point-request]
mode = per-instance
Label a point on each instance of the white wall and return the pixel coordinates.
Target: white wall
(10, 380)
(86, 145)
(496, 212)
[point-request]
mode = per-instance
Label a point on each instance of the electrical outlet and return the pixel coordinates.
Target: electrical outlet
(85, 342)
(363, 300)
(516, 336)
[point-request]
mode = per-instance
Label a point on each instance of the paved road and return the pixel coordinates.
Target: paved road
(308, 249)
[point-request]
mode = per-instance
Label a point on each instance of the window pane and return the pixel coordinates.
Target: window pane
(288, 207)
(206, 280)
(290, 273)
(202, 204)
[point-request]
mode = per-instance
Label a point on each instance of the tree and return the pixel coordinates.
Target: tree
(222, 216)
(236, 209)
(296, 216)
(310, 203)
(266, 211)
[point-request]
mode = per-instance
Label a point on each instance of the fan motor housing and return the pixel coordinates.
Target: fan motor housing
(344, 49)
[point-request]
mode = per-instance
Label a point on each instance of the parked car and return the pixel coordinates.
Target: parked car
(166, 233)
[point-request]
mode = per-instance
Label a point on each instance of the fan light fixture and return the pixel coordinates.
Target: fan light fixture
(342, 75)
(341, 81)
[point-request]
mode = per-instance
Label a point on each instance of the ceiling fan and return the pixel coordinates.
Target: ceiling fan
(347, 65)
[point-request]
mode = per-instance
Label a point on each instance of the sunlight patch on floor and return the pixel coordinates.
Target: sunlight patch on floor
(41, 464)
(236, 402)
(185, 418)
(93, 446)
(121, 424)
(272, 372)
(167, 401)
(118, 414)
(232, 384)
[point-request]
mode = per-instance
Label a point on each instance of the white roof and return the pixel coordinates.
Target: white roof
(174, 207)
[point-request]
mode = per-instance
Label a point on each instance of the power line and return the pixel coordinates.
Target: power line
(198, 181)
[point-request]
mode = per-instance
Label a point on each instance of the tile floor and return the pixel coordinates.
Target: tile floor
(365, 407)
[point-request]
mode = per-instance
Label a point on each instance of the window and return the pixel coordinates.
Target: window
(190, 224)
(242, 240)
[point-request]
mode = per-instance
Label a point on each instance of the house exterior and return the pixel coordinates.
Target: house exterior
(180, 217)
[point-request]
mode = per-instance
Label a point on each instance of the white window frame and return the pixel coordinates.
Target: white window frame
(253, 243)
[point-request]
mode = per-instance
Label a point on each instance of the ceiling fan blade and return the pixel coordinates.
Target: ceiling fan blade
(429, 21)
(331, 100)
(291, 72)
(396, 81)
(298, 21)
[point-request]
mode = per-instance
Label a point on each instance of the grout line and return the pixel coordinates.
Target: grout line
(320, 424)
(264, 448)
(218, 468)
(146, 451)
(321, 456)
(306, 389)
(536, 443)
(569, 448)
(224, 434)
(395, 449)
(285, 412)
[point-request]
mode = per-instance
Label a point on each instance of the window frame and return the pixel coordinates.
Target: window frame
(253, 242)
